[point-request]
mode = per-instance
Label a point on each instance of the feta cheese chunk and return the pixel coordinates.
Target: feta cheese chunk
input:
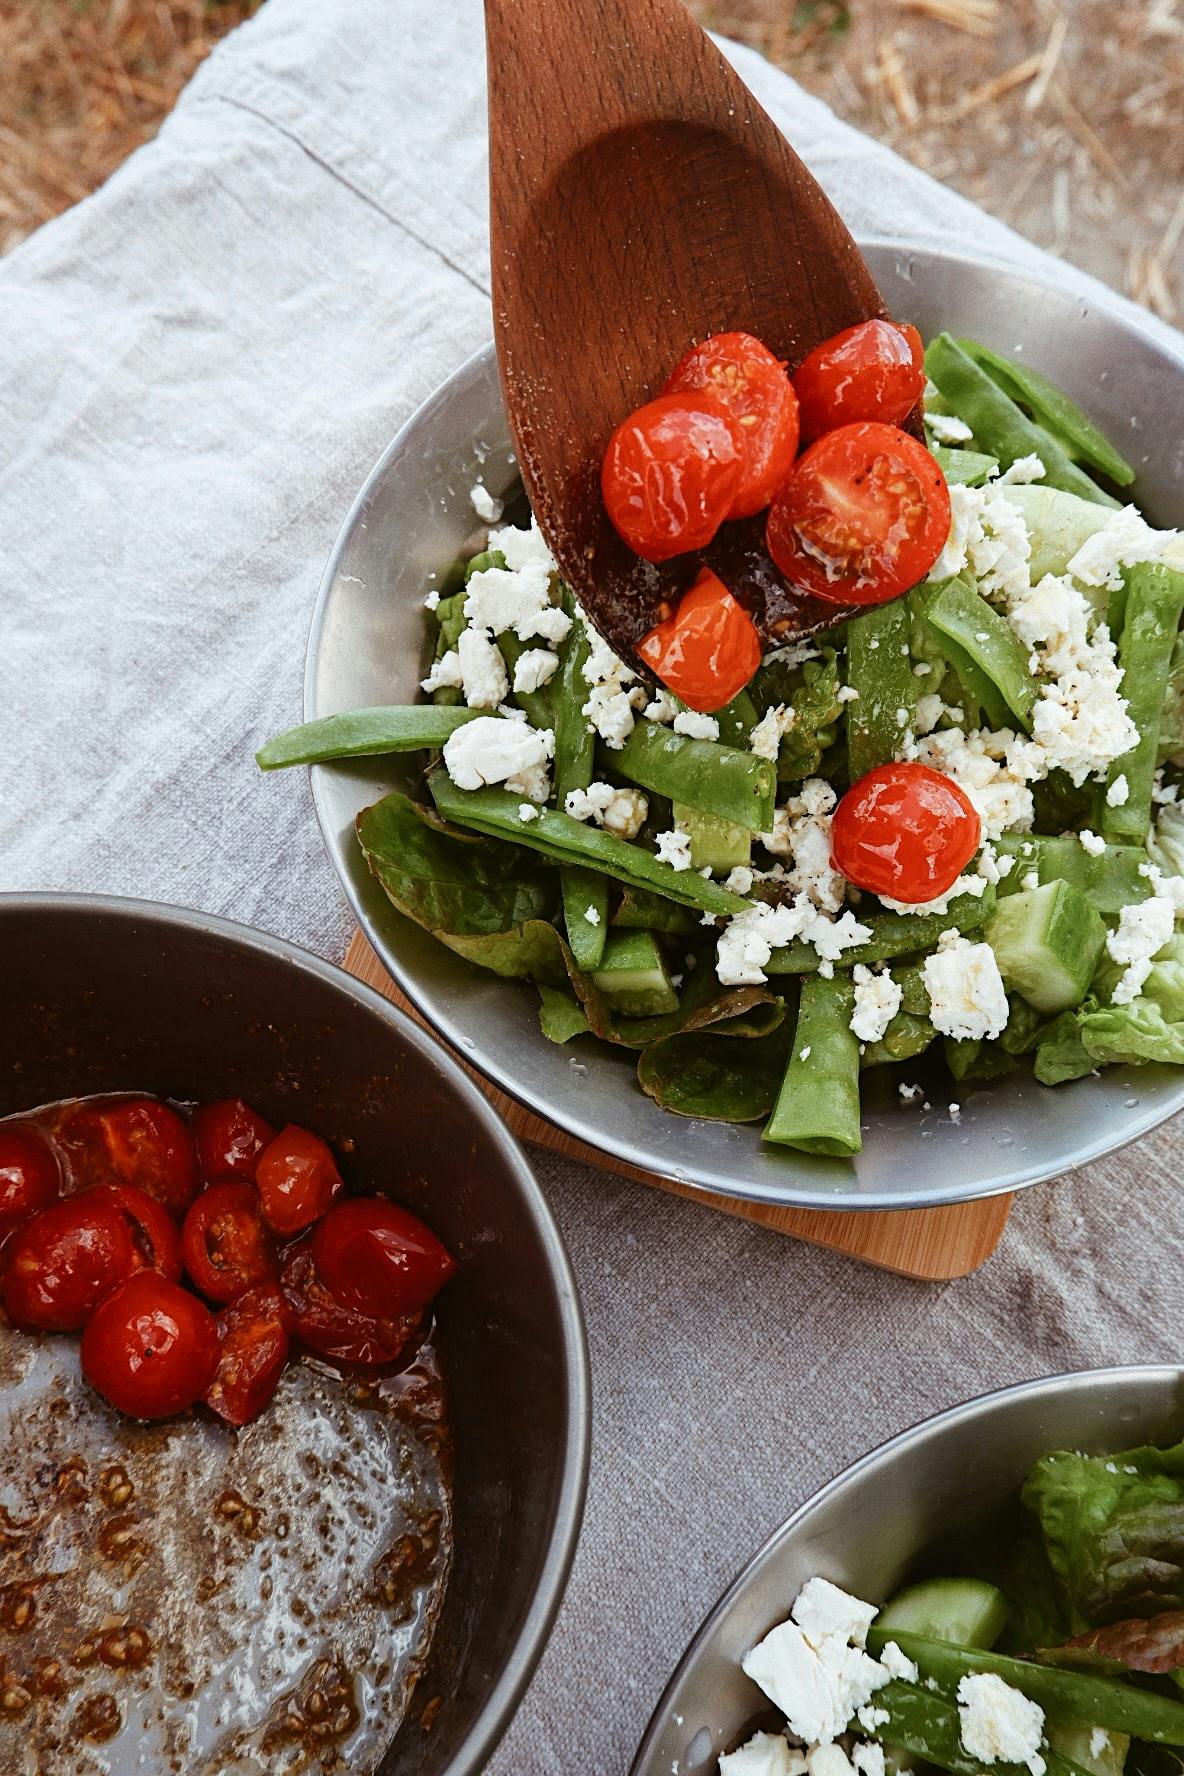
(765, 739)
(749, 938)
(869, 1759)
(1091, 843)
(482, 669)
(828, 1760)
(822, 1609)
(877, 1001)
(1119, 793)
(663, 707)
(535, 668)
(674, 848)
(696, 726)
(967, 998)
(1023, 470)
(898, 1664)
(998, 1723)
(621, 811)
(444, 675)
(612, 689)
(1123, 539)
(947, 428)
(1142, 932)
(765, 1754)
(493, 750)
(484, 503)
(817, 1689)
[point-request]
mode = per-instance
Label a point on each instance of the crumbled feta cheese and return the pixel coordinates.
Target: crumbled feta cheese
(535, 668)
(909, 1092)
(527, 811)
(482, 669)
(897, 1664)
(1099, 1741)
(621, 811)
(1118, 793)
(822, 1609)
(522, 548)
(765, 739)
(1023, 470)
(484, 503)
(1142, 932)
(674, 848)
(869, 1758)
(992, 769)
(765, 1754)
(930, 709)
(805, 1053)
(739, 880)
(1030, 880)
(610, 707)
(967, 998)
(663, 708)
(1162, 794)
(749, 938)
(947, 428)
(592, 915)
(828, 1760)
(976, 885)
(877, 1001)
(492, 750)
(999, 1724)
(696, 726)
(1123, 539)
(1091, 842)
(817, 1689)
(871, 1717)
(955, 1112)
(432, 601)
(848, 693)
(444, 675)
(517, 596)
(988, 534)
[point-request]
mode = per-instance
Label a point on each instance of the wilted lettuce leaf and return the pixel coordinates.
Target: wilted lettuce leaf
(1060, 1052)
(561, 1016)
(1113, 1530)
(727, 1073)
(1140, 1643)
(1135, 1032)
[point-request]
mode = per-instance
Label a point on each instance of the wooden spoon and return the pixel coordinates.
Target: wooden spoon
(640, 199)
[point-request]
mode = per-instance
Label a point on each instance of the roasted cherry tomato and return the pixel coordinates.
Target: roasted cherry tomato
(708, 650)
(297, 1179)
(156, 1244)
(325, 1326)
(379, 1259)
(226, 1245)
(671, 473)
(136, 1141)
(30, 1176)
(873, 371)
(904, 831)
(61, 1264)
(864, 516)
(151, 1348)
(253, 1348)
(229, 1136)
(751, 384)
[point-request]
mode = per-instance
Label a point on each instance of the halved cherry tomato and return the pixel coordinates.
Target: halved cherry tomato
(708, 650)
(136, 1141)
(379, 1259)
(752, 385)
(905, 831)
(30, 1176)
(151, 1348)
(226, 1245)
(297, 1179)
(61, 1264)
(156, 1244)
(253, 1348)
(864, 516)
(229, 1136)
(334, 1331)
(875, 370)
(671, 473)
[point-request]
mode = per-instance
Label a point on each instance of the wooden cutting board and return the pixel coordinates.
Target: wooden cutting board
(930, 1244)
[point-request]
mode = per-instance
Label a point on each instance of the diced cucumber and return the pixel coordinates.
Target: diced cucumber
(1090, 1748)
(968, 1612)
(716, 843)
(633, 977)
(1047, 942)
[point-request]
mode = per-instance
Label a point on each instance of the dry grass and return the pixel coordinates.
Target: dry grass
(82, 83)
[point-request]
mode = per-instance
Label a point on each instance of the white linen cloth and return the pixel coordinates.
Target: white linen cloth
(198, 365)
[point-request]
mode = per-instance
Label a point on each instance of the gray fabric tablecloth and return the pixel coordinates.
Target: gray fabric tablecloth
(197, 367)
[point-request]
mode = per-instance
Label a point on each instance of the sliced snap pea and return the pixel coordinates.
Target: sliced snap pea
(930, 1726)
(880, 669)
(975, 690)
(737, 719)
(893, 934)
(1111, 880)
(567, 841)
(976, 629)
(1154, 601)
(738, 786)
(1054, 410)
(817, 1108)
(364, 733)
(998, 424)
(585, 891)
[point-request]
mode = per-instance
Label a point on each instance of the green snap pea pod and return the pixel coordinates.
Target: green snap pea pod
(737, 719)
(1111, 880)
(979, 633)
(893, 934)
(584, 892)
(567, 841)
(1154, 601)
(998, 424)
(974, 690)
(880, 669)
(1075, 1698)
(364, 733)
(929, 1726)
(1053, 409)
(738, 786)
(963, 468)
(450, 620)
(817, 1108)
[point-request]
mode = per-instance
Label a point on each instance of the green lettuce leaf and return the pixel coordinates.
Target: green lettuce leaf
(561, 1016)
(1135, 1032)
(1060, 1053)
(704, 1074)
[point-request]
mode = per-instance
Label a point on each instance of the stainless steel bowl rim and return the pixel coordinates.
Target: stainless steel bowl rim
(596, 1134)
(502, 1702)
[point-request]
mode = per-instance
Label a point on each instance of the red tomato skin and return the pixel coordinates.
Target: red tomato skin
(670, 474)
(708, 650)
(297, 1179)
(137, 1141)
(156, 1244)
(751, 384)
(334, 1331)
(225, 1244)
(875, 370)
(151, 1348)
(864, 515)
(60, 1265)
(378, 1259)
(229, 1137)
(905, 831)
(253, 1350)
(30, 1176)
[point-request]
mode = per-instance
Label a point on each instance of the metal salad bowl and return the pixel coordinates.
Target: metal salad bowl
(413, 519)
(108, 995)
(937, 1482)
